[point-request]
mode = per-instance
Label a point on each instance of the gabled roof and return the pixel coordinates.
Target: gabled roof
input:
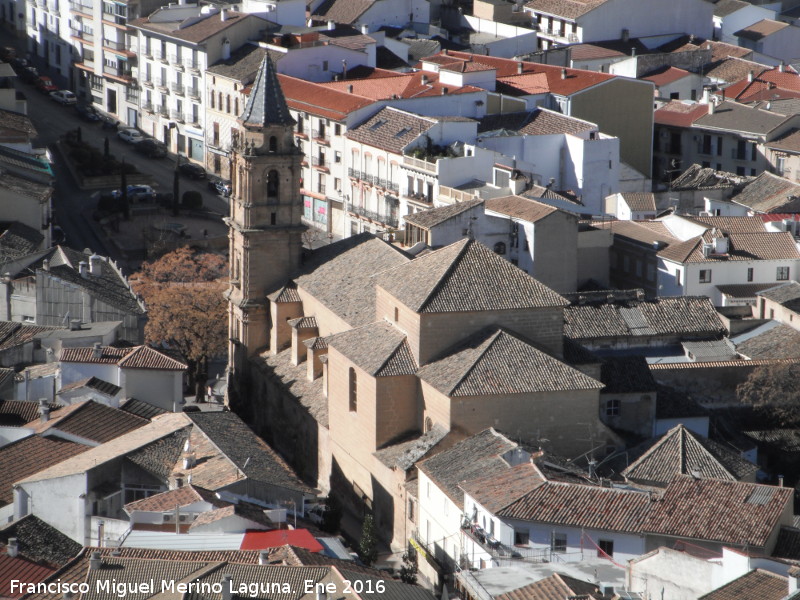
(665, 75)
(391, 129)
(475, 456)
(576, 505)
(770, 193)
(555, 587)
(15, 413)
(93, 383)
(568, 9)
(733, 68)
(342, 11)
(496, 490)
(723, 8)
(691, 508)
(182, 496)
(89, 420)
(681, 451)
(733, 116)
(17, 240)
(525, 209)
(692, 316)
(785, 294)
(781, 341)
(251, 455)
(760, 30)
(29, 456)
(679, 114)
(379, 84)
(40, 542)
(137, 357)
(379, 348)
(778, 245)
(141, 409)
(463, 277)
(536, 122)
(731, 224)
(318, 99)
(183, 29)
(20, 569)
(646, 232)
(266, 104)
(498, 362)
(758, 583)
(640, 202)
(436, 216)
(341, 275)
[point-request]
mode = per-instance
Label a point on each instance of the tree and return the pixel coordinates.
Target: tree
(774, 391)
(368, 545)
(185, 307)
(408, 572)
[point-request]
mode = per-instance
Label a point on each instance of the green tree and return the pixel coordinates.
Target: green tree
(408, 571)
(774, 391)
(185, 307)
(368, 545)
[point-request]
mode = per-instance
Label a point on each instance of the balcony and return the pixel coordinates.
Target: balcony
(190, 64)
(116, 20)
(193, 93)
(148, 80)
(177, 88)
(354, 173)
(82, 35)
(163, 111)
(319, 136)
(418, 163)
(119, 48)
(386, 220)
(148, 107)
(160, 83)
(319, 161)
(498, 550)
(80, 7)
(177, 115)
(419, 198)
(176, 62)
(120, 72)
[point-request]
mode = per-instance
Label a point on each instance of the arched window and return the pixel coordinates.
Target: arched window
(353, 384)
(273, 144)
(500, 248)
(272, 184)
(428, 424)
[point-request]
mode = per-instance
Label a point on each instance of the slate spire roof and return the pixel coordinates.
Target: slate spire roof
(266, 104)
(465, 276)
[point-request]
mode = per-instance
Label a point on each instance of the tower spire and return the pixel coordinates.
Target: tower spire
(266, 104)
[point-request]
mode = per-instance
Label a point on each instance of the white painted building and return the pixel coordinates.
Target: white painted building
(773, 40)
(732, 15)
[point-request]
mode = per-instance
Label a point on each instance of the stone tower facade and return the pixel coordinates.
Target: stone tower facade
(265, 228)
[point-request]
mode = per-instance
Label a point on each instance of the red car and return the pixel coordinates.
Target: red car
(45, 85)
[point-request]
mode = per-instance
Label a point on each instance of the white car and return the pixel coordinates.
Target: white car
(130, 135)
(64, 97)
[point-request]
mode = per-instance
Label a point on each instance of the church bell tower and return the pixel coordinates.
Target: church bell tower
(265, 228)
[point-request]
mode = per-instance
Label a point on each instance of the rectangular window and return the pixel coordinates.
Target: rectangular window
(612, 407)
(705, 276)
(337, 129)
(677, 277)
(410, 510)
(558, 543)
(783, 274)
(750, 274)
(605, 549)
(521, 537)
(719, 146)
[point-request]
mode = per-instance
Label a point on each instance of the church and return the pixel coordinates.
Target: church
(357, 360)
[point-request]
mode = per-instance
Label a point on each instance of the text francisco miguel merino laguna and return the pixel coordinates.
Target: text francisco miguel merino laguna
(120, 589)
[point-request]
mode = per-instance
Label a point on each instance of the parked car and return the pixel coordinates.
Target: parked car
(45, 85)
(137, 193)
(151, 148)
(64, 97)
(192, 171)
(87, 113)
(28, 74)
(130, 135)
(219, 186)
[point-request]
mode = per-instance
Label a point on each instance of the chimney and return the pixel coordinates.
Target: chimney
(12, 547)
(780, 480)
(95, 561)
(94, 264)
(223, 14)
(226, 49)
(365, 29)
(520, 68)
(83, 269)
(97, 350)
(44, 410)
(626, 35)
(563, 73)
(46, 264)
(331, 25)
(263, 557)
(781, 67)
(424, 79)
(711, 107)
(350, 89)
(227, 593)
(75, 325)
(749, 76)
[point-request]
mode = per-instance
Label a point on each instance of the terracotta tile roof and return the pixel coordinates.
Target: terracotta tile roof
(475, 456)
(758, 583)
(93, 383)
(761, 362)
(681, 451)
(785, 294)
(89, 420)
(665, 75)
(379, 348)
(391, 129)
(498, 362)
(704, 178)
(465, 276)
(679, 114)
(385, 85)
(342, 11)
(723, 8)
(760, 30)
(770, 193)
(251, 455)
(568, 9)
(767, 85)
(39, 541)
(788, 544)
(195, 33)
(405, 453)
(743, 290)
(520, 208)
(320, 100)
(742, 246)
(640, 231)
(575, 505)
(640, 202)
(340, 275)
(29, 456)
(538, 122)
(287, 293)
(779, 342)
(626, 374)
(20, 569)
(555, 587)
(495, 490)
(182, 496)
(141, 409)
(690, 508)
(15, 413)
(732, 116)
(732, 69)
(593, 51)
(16, 334)
(137, 357)
(308, 394)
(436, 216)
(788, 142)
(691, 316)
(732, 224)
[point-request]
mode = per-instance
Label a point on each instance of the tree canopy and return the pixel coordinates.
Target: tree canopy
(774, 391)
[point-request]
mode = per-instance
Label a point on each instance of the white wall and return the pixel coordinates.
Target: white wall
(309, 63)
(159, 388)
(57, 502)
(725, 27)
(439, 518)
(13, 434)
(672, 574)
(647, 18)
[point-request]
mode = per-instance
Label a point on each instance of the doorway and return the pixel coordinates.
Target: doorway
(111, 101)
